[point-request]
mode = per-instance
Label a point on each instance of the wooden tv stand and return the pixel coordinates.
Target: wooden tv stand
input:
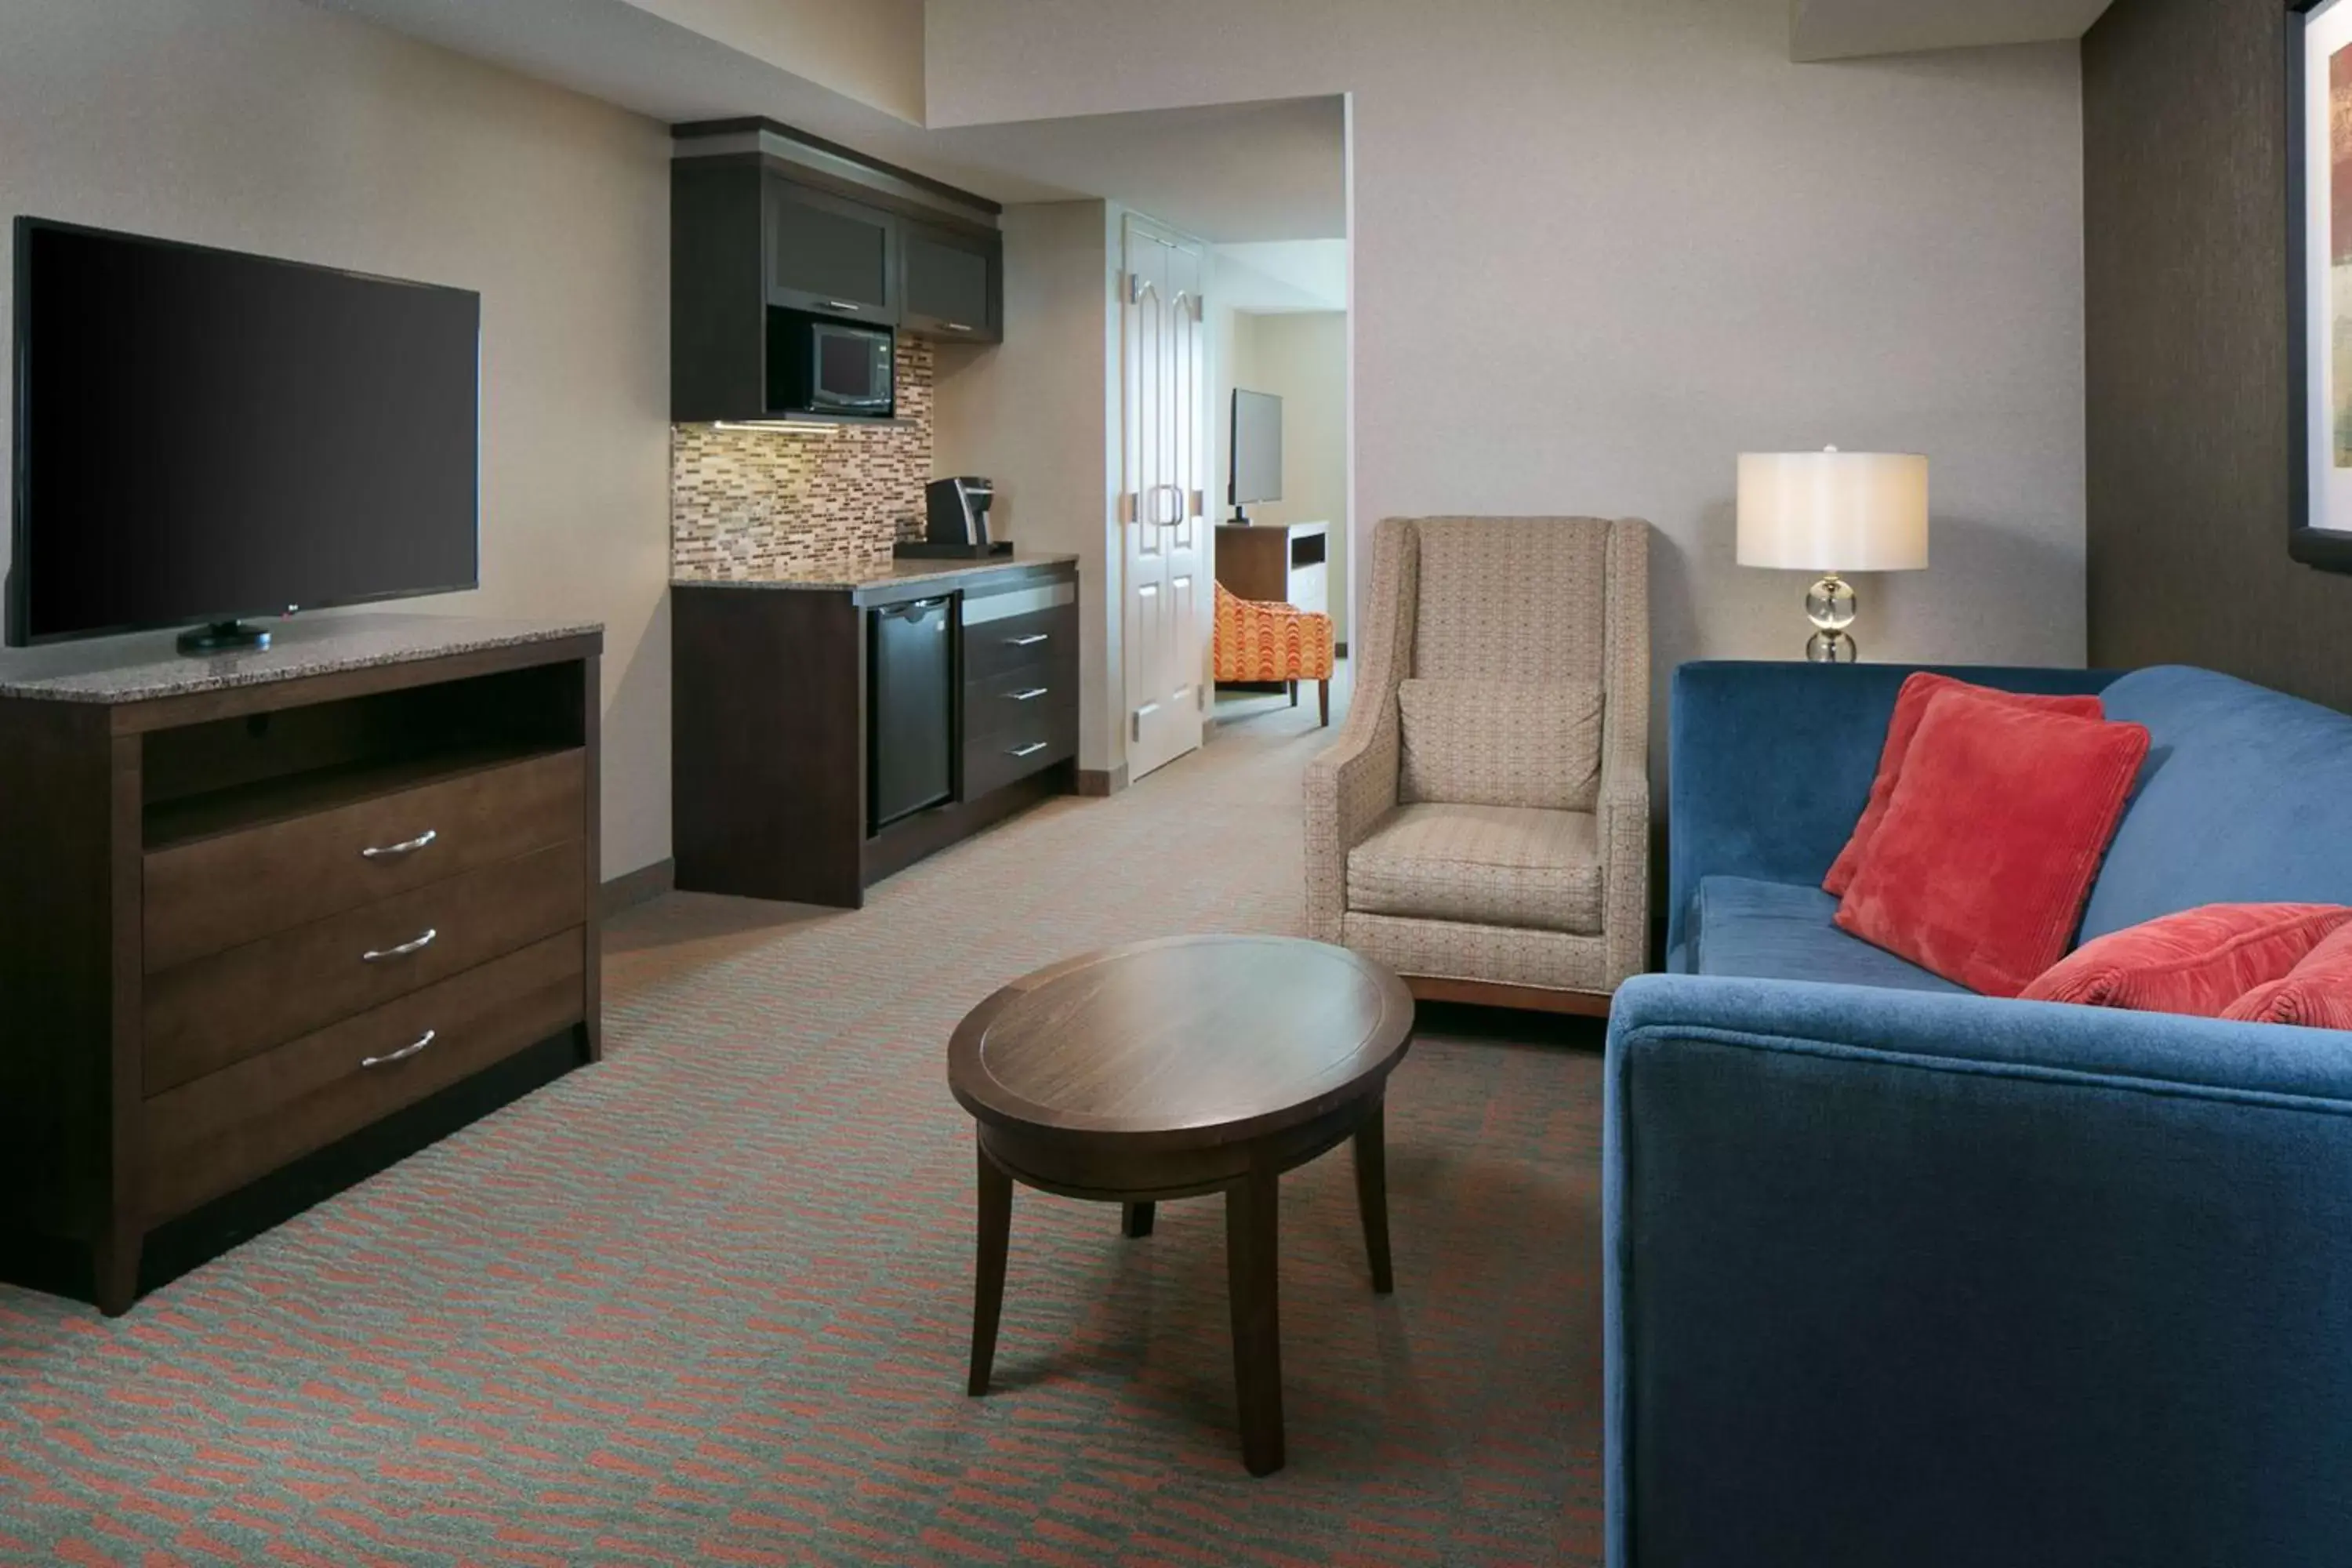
(257, 906)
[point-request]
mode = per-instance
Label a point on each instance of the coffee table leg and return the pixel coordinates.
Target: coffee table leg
(1251, 1209)
(1139, 1219)
(1373, 1192)
(988, 1286)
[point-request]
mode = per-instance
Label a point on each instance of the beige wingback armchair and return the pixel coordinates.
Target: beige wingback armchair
(1481, 825)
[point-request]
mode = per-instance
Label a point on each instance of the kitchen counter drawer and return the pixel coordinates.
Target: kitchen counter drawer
(992, 761)
(214, 1133)
(209, 893)
(1022, 641)
(205, 1015)
(1019, 699)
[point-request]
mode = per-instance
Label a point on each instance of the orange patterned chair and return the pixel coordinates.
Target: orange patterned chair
(1258, 641)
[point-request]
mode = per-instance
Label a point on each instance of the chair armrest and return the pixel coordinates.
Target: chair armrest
(1623, 807)
(1349, 787)
(1948, 1280)
(1769, 764)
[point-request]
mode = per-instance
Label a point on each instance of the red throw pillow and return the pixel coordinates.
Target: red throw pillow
(1979, 868)
(1910, 707)
(2197, 961)
(2316, 993)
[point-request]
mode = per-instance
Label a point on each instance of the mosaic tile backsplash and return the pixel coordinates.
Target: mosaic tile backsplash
(747, 504)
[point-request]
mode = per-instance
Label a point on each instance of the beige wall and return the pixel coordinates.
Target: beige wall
(1301, 357)
(1600, 248)
(272, 126)
(1037, 415)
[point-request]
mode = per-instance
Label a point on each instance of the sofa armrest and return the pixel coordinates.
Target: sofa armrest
(1349, 787)
(1768, 765)
(1946, 1280)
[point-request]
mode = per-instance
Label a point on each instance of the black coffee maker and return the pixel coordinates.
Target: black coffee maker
(956, 520)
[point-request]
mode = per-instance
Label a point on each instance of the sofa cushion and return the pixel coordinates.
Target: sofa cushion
(1754, 930)
(2195, 962)
(2316, 993)
(1482, 742)
(1910, 707)
(2246, 798)
(1488, 865)
(1979, 871)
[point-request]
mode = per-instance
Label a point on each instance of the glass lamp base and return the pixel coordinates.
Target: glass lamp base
(1832, 648)
(1829, 605)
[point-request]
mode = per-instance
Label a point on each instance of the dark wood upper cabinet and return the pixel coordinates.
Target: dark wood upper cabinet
(794, 224)
(954, 287)
(829, 254)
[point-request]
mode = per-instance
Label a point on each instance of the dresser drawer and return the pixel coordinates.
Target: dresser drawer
(1039, 637)
(209, 894)
(219, 1131)
(1018, 700)
(992, 761)
(206, 1014)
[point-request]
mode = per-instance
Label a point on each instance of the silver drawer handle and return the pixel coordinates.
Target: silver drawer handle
(955, 326)
(1030, 750)
(417, 945)
(401, 1055)
(1031, 640)
(406, 847)
(842, 305)
(1031, 695)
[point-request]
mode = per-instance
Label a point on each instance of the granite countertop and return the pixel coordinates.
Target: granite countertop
(146, 665)
(853, 575)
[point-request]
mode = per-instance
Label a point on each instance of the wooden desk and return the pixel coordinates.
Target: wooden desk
(1277, 563)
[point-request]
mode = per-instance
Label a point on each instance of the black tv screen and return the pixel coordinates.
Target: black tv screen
(202, 435)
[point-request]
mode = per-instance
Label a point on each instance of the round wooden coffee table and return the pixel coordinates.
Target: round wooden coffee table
(1174, 1069)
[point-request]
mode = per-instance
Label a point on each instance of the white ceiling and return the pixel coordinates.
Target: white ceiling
(1845, 29)
(1265, 170)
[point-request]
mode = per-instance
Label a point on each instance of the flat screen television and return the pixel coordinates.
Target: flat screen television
(203, 435)
(1256, 451)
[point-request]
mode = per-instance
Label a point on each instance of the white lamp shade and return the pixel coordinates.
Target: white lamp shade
(1833, 511)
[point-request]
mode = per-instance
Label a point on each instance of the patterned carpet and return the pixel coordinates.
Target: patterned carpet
(709, 1300)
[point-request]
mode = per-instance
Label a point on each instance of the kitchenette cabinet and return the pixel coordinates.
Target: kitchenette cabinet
(830, 728)
(766, 220)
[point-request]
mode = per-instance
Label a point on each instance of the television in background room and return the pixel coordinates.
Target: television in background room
(203, 435)
(1256, 452)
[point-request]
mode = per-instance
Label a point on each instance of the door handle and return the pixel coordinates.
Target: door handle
(1178, 490)
(1031, 695)
(955, 326)
(415, 944)
(1031, 640)
(1030, 750)
(842, 305)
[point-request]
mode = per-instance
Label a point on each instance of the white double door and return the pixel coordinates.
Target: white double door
(1162, 507)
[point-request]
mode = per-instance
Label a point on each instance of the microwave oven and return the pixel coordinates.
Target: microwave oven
(818, 365)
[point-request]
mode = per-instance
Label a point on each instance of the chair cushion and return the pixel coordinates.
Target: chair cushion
(1980, 868)
(1755, 929)
(1479, 743)
(1485, 865)
(2196, 963)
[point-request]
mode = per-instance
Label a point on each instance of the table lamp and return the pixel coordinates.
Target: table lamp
(1833, 511)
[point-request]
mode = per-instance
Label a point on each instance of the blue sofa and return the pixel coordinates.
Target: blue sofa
(1897, 1274)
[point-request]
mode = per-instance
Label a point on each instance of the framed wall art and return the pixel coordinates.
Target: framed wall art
(2319, 248)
